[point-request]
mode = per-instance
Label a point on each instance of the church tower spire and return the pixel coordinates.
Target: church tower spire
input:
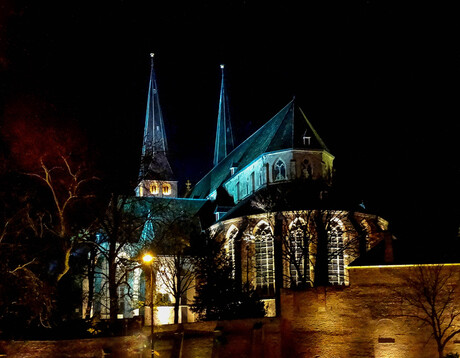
(224, 137)
(155, 173)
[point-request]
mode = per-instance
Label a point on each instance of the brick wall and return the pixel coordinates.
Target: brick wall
(361, 320)
(357, 321)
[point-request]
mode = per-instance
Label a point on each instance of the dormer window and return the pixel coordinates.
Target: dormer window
(154, 189)
(279, 170)
(306, 139)
(166, 189)
(233, 168)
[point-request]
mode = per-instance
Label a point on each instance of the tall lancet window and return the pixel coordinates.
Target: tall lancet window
(298, 254)
(230, 245)
(265, 259)
(336, 267)
(154, 188)
(262, 175)
(279, 170)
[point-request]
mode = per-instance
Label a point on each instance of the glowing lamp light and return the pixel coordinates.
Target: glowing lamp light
(222, 66)
(152, 54)
(147, 258)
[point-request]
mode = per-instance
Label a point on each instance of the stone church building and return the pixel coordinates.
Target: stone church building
(278, 183)
(291, 236)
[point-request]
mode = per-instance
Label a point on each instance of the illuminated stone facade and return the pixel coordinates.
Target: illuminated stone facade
(278, 167)
(259, 261)
(362, 320)
(157, 188)
(274, 243)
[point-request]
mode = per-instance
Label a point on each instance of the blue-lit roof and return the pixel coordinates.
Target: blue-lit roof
(286, 130)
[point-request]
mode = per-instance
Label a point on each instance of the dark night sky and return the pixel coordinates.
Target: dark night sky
(378, 80)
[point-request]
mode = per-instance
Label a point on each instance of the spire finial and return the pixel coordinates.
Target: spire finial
(222, 66)
(152, 54)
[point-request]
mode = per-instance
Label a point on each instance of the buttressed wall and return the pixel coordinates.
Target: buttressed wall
(251, 245)
(360, 320)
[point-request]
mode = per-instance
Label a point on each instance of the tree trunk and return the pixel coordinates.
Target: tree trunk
(91, 272)
(440, 350)
(176, 310)
(321, 262)
(440, 353)
(113, 293)
(278, 260)
(178, 291)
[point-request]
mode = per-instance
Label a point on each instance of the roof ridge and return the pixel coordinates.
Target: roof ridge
(243, 145)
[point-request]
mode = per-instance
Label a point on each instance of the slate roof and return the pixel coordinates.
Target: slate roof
(286, 130)
(143, 206)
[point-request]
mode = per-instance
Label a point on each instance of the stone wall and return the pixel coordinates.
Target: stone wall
(360, 320)
(85, 348)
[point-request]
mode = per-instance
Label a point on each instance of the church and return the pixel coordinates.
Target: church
(270, 199)
(278, 183)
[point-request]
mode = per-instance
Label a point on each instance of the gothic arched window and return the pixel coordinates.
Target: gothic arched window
(336, 267)
(306, 169)
(367, 231)
(265, 259)
(298, 253)
(154, 188)
(166, 189)
(279, 170)
(230, 244)
(262, 175)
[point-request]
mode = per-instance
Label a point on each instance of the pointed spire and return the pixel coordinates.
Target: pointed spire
(224, 136)
(154, 131)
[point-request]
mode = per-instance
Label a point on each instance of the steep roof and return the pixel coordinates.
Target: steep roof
(154, 163)
(288, 129)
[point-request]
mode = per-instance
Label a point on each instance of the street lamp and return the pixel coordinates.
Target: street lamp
(148, 259)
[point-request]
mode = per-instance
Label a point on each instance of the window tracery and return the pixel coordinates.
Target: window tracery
(336, 268)
(298, 253)
(230, 243)
(279, 170)
(264, 259)
(262, 175)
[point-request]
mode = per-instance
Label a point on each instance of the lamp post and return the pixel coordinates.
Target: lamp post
(148, 259)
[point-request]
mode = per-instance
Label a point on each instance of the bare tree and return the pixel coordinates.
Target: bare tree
(310, 240)
(115, 243)
(54, 156)
(67, 185)
(169, 238)
(219, 295)
(429, 294)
